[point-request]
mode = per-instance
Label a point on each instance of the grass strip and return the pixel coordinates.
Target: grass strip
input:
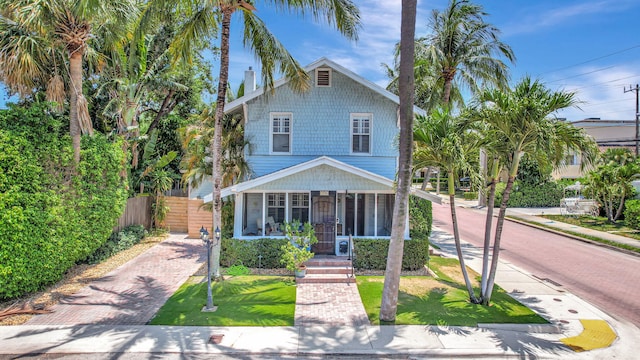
(583, 236)
(423, 300)
(241, 301)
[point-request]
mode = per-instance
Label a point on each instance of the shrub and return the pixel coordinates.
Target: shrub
(632, 213)
(542, 195)
(118, 241)
(371, 254)
(246, 252)
(470, 195)
(420, 218)
(51, 216)
(237, 270)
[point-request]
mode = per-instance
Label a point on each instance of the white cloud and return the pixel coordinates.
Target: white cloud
(602, 93)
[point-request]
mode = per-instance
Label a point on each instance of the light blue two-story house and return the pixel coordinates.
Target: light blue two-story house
(328, 156)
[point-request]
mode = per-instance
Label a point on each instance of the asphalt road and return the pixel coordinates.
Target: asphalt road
(605, 278)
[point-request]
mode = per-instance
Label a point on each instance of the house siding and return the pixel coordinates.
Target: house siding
(322, 178)
(319, 129)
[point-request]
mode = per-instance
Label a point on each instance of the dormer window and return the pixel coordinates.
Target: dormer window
(323, 77)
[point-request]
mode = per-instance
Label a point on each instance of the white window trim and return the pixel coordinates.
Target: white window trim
(330, 77)
(277, 114)
(360, 115)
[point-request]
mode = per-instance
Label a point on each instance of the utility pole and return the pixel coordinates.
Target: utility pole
(636, 89)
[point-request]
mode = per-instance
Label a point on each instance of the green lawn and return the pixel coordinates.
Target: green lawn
(425, 300)
(270, 301)
(597, 223)
(241, 301)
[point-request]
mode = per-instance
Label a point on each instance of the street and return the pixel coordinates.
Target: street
(606, 278)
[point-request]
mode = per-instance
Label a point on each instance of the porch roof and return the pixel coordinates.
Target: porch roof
(313, 164)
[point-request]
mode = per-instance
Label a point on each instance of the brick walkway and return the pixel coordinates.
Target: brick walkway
(329, 304)
(134, 292)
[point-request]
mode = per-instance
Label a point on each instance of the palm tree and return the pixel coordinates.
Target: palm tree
(610, 182)
(272, 54)
(518, 123)
(440, 142)
(43, 41)
(463, 49)
(389, 305)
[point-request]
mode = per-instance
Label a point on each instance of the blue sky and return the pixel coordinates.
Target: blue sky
(588, 46)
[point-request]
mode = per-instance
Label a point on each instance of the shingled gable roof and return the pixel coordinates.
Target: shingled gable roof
(322, 160)
(322, 62)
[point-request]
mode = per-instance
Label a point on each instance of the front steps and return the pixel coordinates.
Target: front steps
(327, 270)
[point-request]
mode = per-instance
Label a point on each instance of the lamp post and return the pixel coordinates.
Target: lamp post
(204, 235)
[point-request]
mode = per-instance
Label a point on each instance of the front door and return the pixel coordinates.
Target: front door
(323, 212)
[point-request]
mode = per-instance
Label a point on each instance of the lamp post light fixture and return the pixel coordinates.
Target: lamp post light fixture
(204, 235)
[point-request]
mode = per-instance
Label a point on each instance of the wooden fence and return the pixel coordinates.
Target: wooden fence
(185, 215)
(137, 212)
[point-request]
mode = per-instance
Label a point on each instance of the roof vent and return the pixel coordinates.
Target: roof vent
(323, 77)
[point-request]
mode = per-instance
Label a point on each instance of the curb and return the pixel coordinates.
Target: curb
(529, 328)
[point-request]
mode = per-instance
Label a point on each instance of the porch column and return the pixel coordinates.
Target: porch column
(238, 212)
(406, 223)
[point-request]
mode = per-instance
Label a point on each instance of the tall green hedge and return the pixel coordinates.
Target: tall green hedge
(51, 218)
(546, 194)
(420, 217)
(632, 213)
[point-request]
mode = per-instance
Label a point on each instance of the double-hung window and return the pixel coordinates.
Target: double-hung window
(361, 133)
(300, 207)
(281, 133)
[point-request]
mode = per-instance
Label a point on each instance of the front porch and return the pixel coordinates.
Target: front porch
(334, 215)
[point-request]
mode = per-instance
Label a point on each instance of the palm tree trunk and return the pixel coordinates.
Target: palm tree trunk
(406, 85)
(487, 238)
(446, 94)
(620, 207)
(427, 175)
(75, 74)
(217, 137)
(496, 244)
(456, 237)
(487, 228)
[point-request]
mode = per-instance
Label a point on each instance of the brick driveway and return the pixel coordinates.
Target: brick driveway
(135, 291)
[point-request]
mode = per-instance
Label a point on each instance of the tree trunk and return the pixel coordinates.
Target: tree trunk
(406, 85)
(165, 108)
(75, 74)
(487, 228)
(217, 137)
(456, 236)
(620, 207)
(496, 244)
(487, 239)
(427, 175)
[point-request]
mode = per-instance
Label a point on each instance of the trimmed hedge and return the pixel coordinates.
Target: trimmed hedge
(246, 252)
(470, 195)
(632, 213)
(542, 195)
(118, 241)
(51, 216)
(371, 254)
(420, 217)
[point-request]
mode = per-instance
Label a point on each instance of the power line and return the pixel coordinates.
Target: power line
(587, 73)
(594, 59)
(605, 82)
